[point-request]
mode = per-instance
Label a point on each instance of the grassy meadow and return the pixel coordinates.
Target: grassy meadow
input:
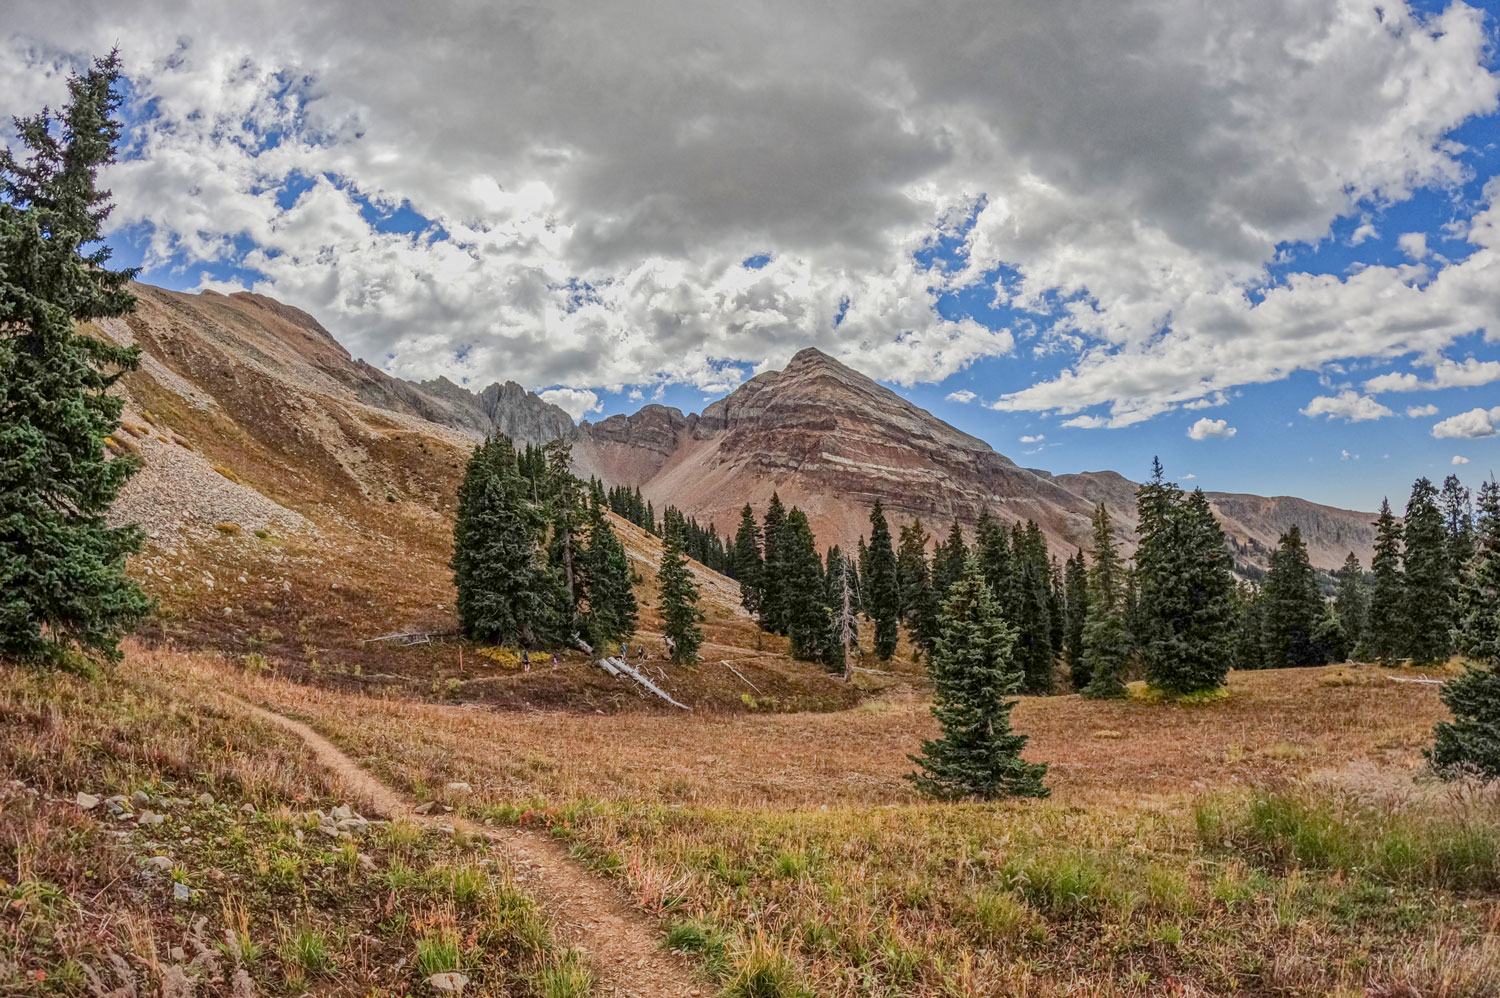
(1281, 841)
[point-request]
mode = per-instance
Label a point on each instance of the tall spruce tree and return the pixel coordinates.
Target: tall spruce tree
(1429, 577)
(612, 610)
(803, 588)
(773, 572)
(1076, 597)
(919, 606)
(1106, 642)
(1470, 743)
(1385, 630)
(978, 755)
(1291, 606)
(948, 562)
(1351, 605)
(992, 547)
(882, 586)
(1031, 607)
(1186, 588)
(678, 595)
(505, 595)
(1458, 520)
(62, 567)
(748, 565)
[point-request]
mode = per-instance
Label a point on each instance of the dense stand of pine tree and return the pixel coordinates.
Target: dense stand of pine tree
(534, 559)
(1408, 606)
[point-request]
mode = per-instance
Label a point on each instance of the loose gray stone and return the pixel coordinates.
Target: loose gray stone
(86, 801)
(180, 892)
(452, 981)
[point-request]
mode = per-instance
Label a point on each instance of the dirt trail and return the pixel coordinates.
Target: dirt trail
(592, 915)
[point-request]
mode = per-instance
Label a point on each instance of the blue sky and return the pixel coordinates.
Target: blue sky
(1086, 243)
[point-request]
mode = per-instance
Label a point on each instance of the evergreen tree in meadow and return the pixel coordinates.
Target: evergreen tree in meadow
(978, 755)
(678, 594)
(1385, 629)
(505, 595)
(882, 586)
(1186, 588)
(1106, 642)
(62, 567)
(1458, 521)
(1076, 598)
(772, 604)
(992, 547)
(1478, 631)
(748, 565)
(1351, 605)
(564, 499)
(1031, 610)
(919, 605)
(1291, 605)
(1470, 743)
(803, 588)
(612, 610)
(948, 562)
(1429, 577)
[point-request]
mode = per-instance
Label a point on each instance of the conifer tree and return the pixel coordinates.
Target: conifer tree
(919, 606)
(749, 567)
(62, 567)
(1057, 608)
(1106, 643)
(978, 755)
(612, 612)
(1470, 743)
(504, 595)
(803, 587)
(1076, 599)
(882, 587)
(772, 580)
(992, 546)
(948, 562)
(1351, 605)
(1186, 588)
(1291, 606)
(678, 594)
(1458, 520)
(1031, 613)
(1478, 630)
(1385, 630)
(1429, 577)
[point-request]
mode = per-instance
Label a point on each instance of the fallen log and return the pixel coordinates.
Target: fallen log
(1430, 682)
(740, 674)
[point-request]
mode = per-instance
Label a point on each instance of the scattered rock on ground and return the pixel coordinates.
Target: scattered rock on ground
(86, 801)
(452, 981)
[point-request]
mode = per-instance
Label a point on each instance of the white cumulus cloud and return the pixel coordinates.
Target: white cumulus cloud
(963, 395)
(1468, 373)
(1205, 428)
(1469, 425)
(576, 402)
(1459, 459)
(1034, 439)
(1348, 405)
(1418, 411)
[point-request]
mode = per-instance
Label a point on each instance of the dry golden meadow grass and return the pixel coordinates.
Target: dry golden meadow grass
(1280, 841)
(237, 893)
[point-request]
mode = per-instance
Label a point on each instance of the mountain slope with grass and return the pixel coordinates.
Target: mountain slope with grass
(299, 504)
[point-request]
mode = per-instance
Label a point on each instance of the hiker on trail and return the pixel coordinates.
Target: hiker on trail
(624, 650)
(671, 645)
(525, 660)
(554, 660)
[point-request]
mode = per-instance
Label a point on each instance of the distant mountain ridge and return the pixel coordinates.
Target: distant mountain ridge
(824, 436)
